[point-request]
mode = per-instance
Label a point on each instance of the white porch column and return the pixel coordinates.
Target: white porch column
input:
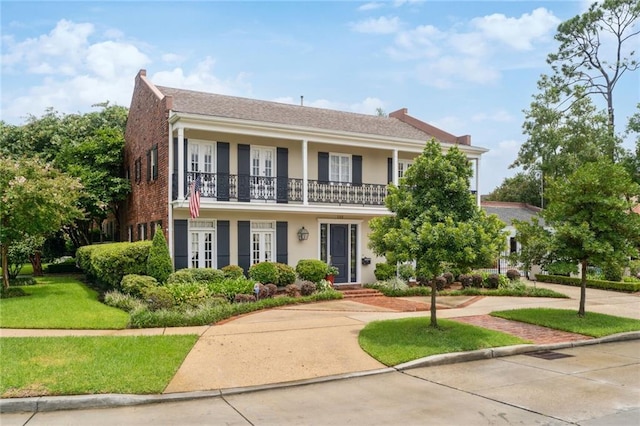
(394, 167)
(305, 173)
(478, 181)
(181, 170)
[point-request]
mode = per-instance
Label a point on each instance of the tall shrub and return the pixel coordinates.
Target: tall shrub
(159, 265)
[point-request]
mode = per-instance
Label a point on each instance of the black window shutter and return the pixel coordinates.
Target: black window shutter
(244, 245)
(389, 170)
(282, 181)
(222, 230)
(148, 165)
(282, 251)
(154, 155)
(244, 171)
(222, 166)
(180, 244)
(356, 169)
(174, 178)
(323, 167)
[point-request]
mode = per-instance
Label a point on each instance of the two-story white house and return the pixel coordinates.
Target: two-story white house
(279, 182)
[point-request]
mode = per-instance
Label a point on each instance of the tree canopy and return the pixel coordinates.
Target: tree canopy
(590, 214)
(86, 146)
(523, 187)
(36, 199)
(436, 220)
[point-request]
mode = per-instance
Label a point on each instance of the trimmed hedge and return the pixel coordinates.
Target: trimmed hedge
(107, 264)
(599, 284)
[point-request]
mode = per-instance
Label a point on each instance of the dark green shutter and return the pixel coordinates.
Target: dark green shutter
(222, 233)
(222, 166)
(186, 157)
(180, 244)
(323, 167)
(244, 245)
(389, 170)
(282, 181)
(244, 172)
(148, 165)
(282, 242)
(174, 177)
(356, 169)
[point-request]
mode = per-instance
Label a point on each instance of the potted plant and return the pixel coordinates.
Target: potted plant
(332, 271)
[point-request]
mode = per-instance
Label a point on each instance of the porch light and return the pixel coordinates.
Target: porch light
(303, 234)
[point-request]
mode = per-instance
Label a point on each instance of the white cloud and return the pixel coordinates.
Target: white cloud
(382, 25)
(518, 33)
(172, 58)
(370, 6)
(110, 59)
(422, 42)
(201, 79)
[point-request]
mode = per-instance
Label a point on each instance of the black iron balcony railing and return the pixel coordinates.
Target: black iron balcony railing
(226, 187)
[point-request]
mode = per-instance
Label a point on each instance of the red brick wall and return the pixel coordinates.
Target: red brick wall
(147, 125)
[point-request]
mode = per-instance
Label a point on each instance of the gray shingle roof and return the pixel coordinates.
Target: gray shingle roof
(192, 102)
(507, 212)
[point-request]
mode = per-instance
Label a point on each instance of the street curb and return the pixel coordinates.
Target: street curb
(77, 402)
(456, 357)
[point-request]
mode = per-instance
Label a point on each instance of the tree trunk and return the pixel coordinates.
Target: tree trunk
(583, 289)
(36, 262)
(434, 319)
(4, 250)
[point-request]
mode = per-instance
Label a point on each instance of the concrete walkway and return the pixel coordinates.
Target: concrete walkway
(307, 342)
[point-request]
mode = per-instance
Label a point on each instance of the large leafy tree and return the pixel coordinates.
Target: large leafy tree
(87, 146)
(523, 187)
(35, 200)
(596, 49)
(590, 213)
(436, 220)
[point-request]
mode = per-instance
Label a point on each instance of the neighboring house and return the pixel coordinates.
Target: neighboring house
(278, 182)
(507, 212)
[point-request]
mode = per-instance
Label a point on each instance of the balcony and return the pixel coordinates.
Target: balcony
(244, 188)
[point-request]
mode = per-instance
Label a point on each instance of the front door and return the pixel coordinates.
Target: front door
(339, 251)
(263, 173)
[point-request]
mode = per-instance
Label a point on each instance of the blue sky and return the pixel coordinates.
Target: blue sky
(468, 67)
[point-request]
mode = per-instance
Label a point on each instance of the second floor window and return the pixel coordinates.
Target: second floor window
(138, 170)
(340, 168)
(201, 157)
(403, 165)
(152, 163)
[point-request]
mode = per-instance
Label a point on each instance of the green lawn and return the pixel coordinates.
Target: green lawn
(35, 366)
(592, 324)
(396, 341)
(60, 302)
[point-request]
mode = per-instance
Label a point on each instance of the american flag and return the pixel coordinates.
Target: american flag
(194, 198)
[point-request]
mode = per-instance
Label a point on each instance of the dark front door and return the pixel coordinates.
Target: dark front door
(339, 251)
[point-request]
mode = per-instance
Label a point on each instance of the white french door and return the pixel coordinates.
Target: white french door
(262, 241)
(202, 250)
(263, 182)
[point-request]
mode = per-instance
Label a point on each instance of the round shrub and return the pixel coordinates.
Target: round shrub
(272, 290)
(206, 275)
(189, 294)
(384, 271)
(292, 290)
(465, 280)
(493, 281)
(182, 276)
(134, 284)
(441, 282)
(449, 277)
(286, 274)
(244, 298)
(612, 272)
(264, 272)
(157, 298)
(233, 271)
(307, 288)
(159, 265)
(477, 281)
(312, 270)
(513, 274)
(406, 271)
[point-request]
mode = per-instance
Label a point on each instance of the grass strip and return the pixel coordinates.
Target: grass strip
(592, 324)
(396, 341)
(36, 366)
(60, 302)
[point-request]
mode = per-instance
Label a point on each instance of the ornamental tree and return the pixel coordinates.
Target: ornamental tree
(35, 200)
(436, 220)
(591, 217)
